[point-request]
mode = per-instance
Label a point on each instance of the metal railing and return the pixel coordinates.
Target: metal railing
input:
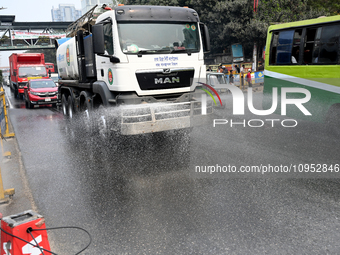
(4, 134)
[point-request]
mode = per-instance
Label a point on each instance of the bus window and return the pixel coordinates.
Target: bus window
(273, 49)
(284, 47)
(309, 43)
(315, 56)
(329, 43)
(296, 46)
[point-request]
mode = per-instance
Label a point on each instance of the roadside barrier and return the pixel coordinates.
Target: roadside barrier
(4, 134)
(3, 116)
(18, 237)
(26, 233)
(257, 78)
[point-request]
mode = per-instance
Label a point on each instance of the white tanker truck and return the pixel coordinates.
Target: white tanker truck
(144, 61)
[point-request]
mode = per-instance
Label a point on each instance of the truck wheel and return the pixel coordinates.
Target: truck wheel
(15, 93)
(70, 109)
(64, 104)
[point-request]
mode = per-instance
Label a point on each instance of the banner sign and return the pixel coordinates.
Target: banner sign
(32, 35)
(259, 77)
(237, 52)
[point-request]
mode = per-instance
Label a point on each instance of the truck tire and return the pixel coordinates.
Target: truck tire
(70, 107)
(64, 104)
(16, 92)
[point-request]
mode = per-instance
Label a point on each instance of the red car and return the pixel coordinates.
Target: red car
(40, 92)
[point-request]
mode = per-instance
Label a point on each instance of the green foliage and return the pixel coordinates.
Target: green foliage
(277, 11)
(273, 11)
(332, 6)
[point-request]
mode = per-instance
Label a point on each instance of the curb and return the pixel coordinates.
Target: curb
(14, 176)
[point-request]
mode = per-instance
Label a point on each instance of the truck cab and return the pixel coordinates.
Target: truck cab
(136, 57)
(25, 66)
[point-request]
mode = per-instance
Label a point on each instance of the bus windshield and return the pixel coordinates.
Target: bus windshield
(153, 38)
(31, 71)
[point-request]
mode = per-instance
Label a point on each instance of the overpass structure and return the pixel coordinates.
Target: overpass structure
(29, 35)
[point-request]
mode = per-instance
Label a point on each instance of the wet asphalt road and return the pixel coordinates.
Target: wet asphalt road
(140, 195)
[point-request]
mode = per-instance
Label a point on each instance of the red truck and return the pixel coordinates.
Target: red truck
(49, 67)
(25, 66)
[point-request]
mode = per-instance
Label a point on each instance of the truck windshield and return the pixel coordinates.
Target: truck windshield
(154, 38)
(31, 71)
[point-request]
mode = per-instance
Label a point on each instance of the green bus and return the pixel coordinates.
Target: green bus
(305, 54)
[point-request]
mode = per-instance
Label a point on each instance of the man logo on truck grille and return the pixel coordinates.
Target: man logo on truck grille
(110, 76)
(68, 55)
(167, 70)
(167, 80)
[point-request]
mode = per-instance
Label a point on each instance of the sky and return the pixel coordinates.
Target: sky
(30, 10)
(33, 10)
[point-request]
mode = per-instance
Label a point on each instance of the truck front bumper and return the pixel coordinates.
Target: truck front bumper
(157, 117)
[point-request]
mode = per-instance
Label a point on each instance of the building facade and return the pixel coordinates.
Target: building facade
(65, 12)
(87, 5)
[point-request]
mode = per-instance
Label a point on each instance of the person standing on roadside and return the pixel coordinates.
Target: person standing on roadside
(231, 77)
(242, 75)
(237, 69)
(242, 70)
(249, 78)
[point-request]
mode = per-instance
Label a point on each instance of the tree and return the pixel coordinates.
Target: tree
(273, 11)
(332, 6)
(278, 11)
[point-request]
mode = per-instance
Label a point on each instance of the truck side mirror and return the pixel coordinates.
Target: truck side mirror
(99, 42)
(205, 38)
(98, 39)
